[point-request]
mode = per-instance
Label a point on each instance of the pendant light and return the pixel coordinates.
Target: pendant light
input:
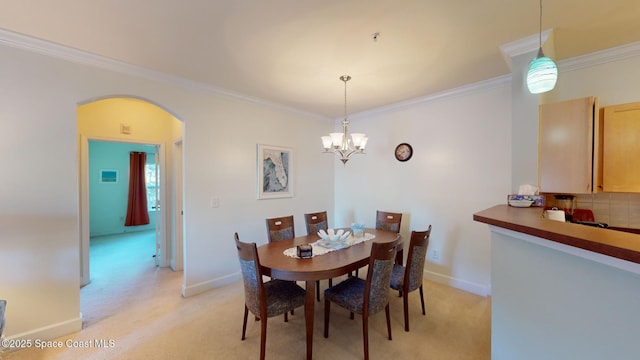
(340, 143)
(543, 72)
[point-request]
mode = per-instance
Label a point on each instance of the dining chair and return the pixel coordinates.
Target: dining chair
(280, 228)
(315, 222)
(388, 221)
(408, 278)
(264, 299)
(365, 297)
(3, 305)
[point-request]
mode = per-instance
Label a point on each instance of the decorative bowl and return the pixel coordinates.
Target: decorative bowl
(332, 235)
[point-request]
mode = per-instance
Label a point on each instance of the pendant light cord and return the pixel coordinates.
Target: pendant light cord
(540, 33)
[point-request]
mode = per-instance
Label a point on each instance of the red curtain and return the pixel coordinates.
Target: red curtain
(137, 213)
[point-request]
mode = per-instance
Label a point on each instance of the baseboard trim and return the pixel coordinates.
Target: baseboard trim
(190, 290)
(52, 331)
(478, 289)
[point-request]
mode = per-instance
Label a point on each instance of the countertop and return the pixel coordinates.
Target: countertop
(618, 244)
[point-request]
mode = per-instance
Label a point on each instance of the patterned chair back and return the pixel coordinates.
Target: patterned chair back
(376, 293)
(280, 228)
(3, 306)
(251, 274)
(416, 258)
(316, 222)
(388, 221)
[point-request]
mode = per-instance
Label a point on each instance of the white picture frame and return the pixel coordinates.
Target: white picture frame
(275, 172)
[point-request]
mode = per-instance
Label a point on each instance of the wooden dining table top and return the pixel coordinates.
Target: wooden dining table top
(333, 264)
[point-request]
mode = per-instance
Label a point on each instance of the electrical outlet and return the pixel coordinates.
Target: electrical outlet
(435, 254)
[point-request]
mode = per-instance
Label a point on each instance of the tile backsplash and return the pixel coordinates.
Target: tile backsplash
(615, 209)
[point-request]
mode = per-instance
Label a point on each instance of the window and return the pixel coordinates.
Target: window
(152, 179)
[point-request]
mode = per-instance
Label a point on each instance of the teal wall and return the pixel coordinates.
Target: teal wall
(108, 201)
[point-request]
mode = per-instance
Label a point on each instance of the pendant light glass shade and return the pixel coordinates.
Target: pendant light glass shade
(543, 72)
(542, 75)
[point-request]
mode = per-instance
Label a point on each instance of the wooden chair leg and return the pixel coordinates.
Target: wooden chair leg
(327, 308)
(318, 290)
(422, 300)
(365, 335)
(263, 337)
(244, 323)
(386, 310)
(405, 303)
(286, 318)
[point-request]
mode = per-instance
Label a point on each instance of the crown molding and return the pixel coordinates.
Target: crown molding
(519, 47)
(601, 57)
(43, 47)
(523, 46)
(459, 91)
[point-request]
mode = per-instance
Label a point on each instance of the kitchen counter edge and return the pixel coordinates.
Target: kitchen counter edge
(617, 244)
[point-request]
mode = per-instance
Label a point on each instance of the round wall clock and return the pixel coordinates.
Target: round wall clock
(403, 152)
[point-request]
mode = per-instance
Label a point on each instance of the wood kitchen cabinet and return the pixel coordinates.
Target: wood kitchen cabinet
(621, 148)
(569, 147)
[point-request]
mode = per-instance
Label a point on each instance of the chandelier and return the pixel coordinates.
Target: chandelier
(340, 143)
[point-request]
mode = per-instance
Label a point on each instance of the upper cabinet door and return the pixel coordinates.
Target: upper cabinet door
(621, 148)
(566, 146)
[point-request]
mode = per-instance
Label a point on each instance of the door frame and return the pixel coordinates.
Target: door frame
(84, 218)
(177, 207)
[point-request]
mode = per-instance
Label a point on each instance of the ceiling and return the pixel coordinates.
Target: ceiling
(292, 52)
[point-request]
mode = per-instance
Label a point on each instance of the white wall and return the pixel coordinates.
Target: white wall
(550, 304)
(221, 163)
(612, 76)
(39, 205)
(461, 164)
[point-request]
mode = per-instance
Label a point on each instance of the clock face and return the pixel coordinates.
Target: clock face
(403, 152)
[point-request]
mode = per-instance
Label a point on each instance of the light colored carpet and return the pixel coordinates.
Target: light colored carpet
(137, 308)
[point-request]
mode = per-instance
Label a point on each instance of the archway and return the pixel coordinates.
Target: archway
(126, 119)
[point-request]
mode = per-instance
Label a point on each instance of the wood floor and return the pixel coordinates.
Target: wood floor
(136, 310)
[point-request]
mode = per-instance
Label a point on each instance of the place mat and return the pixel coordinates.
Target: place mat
(317, 249)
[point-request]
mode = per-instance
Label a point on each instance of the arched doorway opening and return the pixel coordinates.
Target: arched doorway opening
(130, 122)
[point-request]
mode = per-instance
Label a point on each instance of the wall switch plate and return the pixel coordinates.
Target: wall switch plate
(214, 202)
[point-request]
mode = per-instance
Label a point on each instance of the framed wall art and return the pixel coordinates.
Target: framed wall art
(108, 176)
(275, 172)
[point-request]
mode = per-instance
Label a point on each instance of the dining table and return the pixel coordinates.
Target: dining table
(277, 265)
